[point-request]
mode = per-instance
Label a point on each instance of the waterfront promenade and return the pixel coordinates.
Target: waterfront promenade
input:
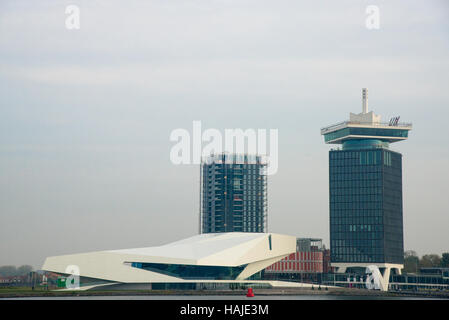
(266, 294)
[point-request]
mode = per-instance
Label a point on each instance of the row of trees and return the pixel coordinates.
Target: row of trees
(9, 271)
(412, 263)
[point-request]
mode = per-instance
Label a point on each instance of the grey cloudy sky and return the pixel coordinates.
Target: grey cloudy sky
(85, 115)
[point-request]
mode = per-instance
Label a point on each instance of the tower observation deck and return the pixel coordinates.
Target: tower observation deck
(366, 130)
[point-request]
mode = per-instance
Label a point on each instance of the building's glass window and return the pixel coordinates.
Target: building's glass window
(365, 132)
(365, 206)
(192, 271)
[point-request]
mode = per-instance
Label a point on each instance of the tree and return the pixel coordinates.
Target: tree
(23, 270)
(445, 260)
(430, 261)
(411, 261)
(8, 271)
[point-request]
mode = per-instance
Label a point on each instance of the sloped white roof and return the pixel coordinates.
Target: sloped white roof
(196, 247)
(252, 250)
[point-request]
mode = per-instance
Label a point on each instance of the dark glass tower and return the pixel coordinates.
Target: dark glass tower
(233, 194)
(365, 190)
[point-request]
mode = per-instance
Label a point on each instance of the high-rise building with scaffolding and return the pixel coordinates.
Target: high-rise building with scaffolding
(233, 195)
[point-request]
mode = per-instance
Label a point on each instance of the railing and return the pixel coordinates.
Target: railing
(375, 124)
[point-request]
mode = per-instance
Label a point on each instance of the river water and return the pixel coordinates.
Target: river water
(223, 297)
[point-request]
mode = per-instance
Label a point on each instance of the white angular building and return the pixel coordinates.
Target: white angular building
(214, 258)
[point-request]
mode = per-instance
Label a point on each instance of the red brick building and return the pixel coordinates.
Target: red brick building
(310, 260)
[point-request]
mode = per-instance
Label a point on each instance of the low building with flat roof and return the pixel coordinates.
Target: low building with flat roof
(307, 264)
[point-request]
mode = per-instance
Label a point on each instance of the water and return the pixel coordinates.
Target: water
(224, 297)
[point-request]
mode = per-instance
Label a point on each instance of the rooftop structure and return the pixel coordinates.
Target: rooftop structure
(367, 126)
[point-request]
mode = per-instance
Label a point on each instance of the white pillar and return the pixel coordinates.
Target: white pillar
(365, 100)
(386, 279)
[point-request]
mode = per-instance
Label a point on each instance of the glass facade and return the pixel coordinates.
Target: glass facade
(377, 132)
(189, 272)
(233, 196)
(365, 191)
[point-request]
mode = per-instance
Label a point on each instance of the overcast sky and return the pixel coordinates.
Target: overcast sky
(86, 115)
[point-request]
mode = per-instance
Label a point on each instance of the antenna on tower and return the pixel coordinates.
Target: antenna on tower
(365, 100)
